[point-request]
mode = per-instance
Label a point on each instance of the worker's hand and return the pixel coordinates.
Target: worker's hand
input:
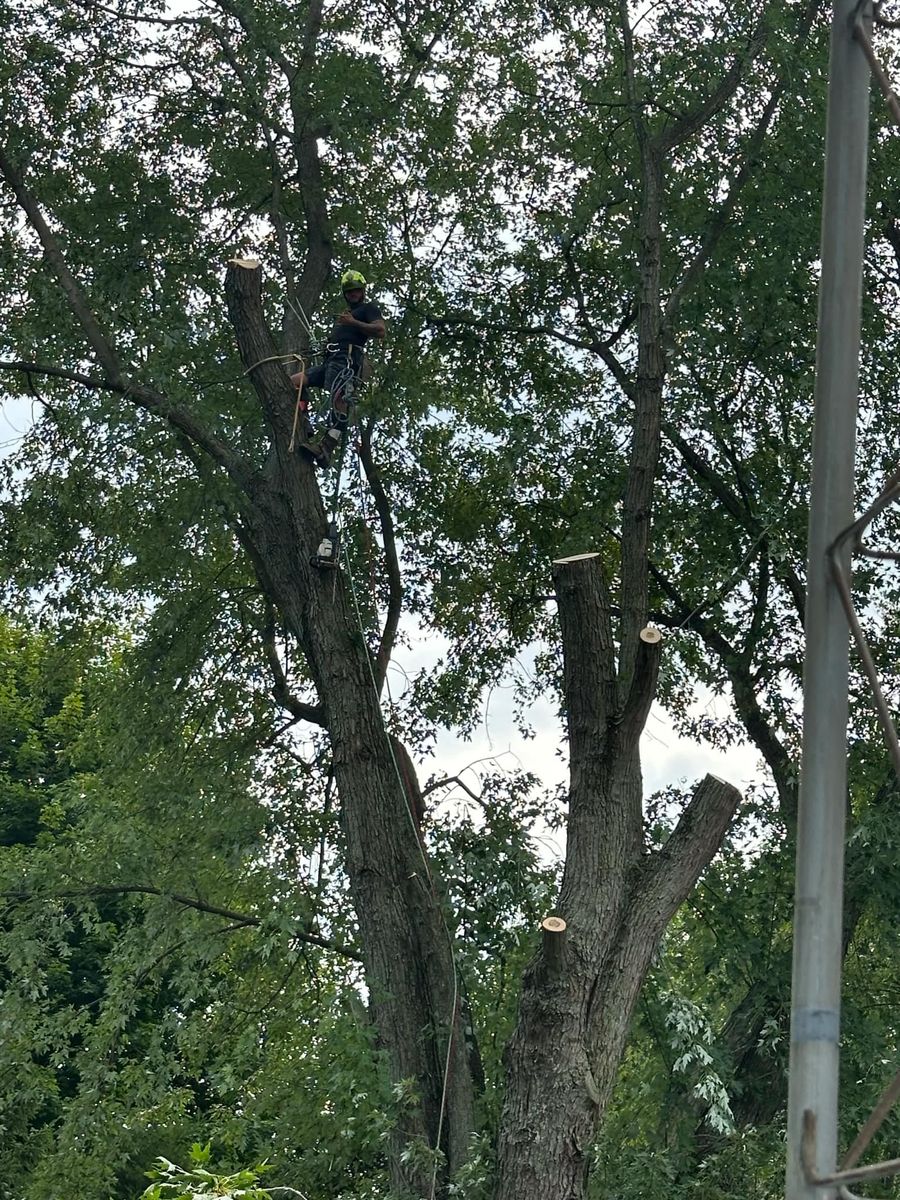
(347, 318)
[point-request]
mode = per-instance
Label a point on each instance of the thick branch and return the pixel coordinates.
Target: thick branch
(280, 690)
(311, 31)
(721, 218)
(589, 680)
(891, 231)
(77, 300)
(643, 688)
(240, 919)
(630, 88)
(645, 435)
(319, 245)
(746, 699)
(151, 401)
(243, 295)
(392, 561)
(760, 609)
(691, 122)
(690, 848)
(144, 397)
(735, 507)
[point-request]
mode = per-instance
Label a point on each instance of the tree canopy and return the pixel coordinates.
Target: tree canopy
(234, 913)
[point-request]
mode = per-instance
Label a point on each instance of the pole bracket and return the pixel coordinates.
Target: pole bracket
(879, 1170)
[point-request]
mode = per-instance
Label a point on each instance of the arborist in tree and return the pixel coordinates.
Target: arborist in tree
(343, 365)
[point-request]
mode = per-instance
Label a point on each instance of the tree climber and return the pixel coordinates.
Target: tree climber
(343, 364)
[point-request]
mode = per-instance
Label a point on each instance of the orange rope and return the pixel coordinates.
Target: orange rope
(297, 406)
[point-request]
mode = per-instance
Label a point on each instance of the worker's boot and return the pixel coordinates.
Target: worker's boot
(329, 442)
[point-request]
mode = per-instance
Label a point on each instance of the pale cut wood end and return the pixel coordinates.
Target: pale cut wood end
(558, 562)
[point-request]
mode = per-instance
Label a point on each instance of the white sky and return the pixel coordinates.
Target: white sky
(496, 742)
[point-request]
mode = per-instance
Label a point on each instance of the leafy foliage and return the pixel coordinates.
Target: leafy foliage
(172, 1182)
(172, 861)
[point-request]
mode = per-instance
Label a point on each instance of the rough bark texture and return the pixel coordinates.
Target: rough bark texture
(616, 900)
(406, 945)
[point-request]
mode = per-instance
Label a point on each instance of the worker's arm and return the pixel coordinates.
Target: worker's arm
(372, 328)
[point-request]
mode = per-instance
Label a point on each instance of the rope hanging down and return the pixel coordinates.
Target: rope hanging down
(407, 802)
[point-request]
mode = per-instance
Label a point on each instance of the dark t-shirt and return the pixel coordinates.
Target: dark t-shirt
(351, 335)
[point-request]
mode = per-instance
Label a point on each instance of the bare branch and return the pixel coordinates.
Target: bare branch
(452, 779)
(181, 419)
(391, 558)
(241, 920)
(280, 690)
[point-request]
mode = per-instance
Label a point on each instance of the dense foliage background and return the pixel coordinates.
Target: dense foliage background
(179, 959)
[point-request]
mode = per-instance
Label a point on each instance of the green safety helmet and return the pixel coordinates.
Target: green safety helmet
(351, 280)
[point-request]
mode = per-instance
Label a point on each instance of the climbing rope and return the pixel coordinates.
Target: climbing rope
(299, 405)
(407, 800)
(281, 358)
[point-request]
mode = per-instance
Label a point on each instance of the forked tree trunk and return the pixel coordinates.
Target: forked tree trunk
(616, 900)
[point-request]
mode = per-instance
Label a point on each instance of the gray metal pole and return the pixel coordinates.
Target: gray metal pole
(818, 903)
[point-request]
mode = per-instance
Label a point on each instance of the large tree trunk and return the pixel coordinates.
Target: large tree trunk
(407, 950)
(616, 900)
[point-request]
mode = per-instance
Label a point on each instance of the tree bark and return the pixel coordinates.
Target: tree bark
(407, 950)
(616, 900)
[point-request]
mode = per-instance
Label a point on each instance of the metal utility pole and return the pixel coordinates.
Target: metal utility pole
(818, 904)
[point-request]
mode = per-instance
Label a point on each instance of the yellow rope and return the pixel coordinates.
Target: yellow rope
(445, 1083)
(273, 358)
(293, 440)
